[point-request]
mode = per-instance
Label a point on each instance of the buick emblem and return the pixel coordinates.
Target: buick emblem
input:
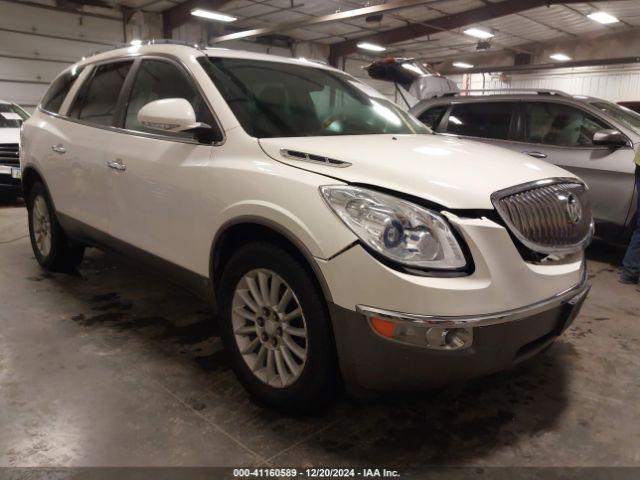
(573, 207)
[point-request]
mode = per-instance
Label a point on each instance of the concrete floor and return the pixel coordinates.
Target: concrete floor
(116, 367)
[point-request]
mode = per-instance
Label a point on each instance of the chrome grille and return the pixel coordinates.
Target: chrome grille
(547, 216)
(9, 154)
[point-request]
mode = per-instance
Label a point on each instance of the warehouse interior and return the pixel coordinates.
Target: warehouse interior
(114, 365)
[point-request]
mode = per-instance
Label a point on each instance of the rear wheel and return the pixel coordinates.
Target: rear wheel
(274, 323)
(51, 247)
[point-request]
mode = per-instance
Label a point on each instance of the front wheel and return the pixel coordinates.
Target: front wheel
(274, 323)
(51, 247)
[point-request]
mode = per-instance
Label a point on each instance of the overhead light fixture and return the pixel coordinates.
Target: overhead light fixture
(476, 32)
(209, 15)
(560, 57)
(136, 42)
(462, 65)
(371, 46)
(603, 17)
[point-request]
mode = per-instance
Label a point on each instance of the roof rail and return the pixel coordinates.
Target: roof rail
(153, 41)
(536, 91)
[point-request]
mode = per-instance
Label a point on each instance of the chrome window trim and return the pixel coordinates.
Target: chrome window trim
(571, 296)
(134, 56)
(497, 196)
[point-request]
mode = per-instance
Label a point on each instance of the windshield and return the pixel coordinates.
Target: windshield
(11, 116)
(272, 99)
(628, 117)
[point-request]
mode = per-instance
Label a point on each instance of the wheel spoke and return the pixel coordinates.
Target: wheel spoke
(250, 348)
(295, 331)
(260, 358)
(263, 280)
(294, 347)
(284, 300)
(246, 330)
(288, 359)
(241, 312)
(270, 366)
(275, 290)
(282, 372)
(246, 298)
(255, 292)
(292, 315)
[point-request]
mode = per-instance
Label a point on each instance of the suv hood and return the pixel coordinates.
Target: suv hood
(451, 172)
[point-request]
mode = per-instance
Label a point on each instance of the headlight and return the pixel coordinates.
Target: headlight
(398, 230)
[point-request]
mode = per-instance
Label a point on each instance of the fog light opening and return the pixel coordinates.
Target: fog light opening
(437, 338)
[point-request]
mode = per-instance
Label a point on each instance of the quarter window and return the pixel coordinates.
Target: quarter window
(52, 100)
(482, 119)
(158, 79)
(432, 117)
(96, 103)
(558, 124)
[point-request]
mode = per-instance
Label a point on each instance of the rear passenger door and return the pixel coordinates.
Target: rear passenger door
(563, 135)
(89, 135)
(487, 121)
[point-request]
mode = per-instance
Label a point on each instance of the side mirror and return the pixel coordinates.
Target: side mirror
(175, 115)
(610, 138)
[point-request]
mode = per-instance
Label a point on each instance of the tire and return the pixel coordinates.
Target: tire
(308, 385)
(51, 247)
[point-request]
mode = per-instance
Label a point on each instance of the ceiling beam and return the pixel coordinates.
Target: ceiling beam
(548, 66)
(333, 17)
(181, 13)
(449, 22)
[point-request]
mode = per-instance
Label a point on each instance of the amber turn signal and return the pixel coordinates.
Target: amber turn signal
(383, 327)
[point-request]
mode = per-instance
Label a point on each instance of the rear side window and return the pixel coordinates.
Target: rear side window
(561, 125)
(52, 100)
(482, 119)
(156, 80)
(432, 116)
(97, 100)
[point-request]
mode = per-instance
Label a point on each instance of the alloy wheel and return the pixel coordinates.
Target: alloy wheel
(41, 224)
(269, 327)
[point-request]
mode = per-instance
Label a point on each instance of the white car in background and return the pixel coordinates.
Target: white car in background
(335, 235)
(11, 118)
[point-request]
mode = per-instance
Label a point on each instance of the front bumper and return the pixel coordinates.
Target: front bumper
(500, 341)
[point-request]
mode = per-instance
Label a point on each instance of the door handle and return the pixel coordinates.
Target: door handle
(536, 154)
(117, 165)
(59, 148)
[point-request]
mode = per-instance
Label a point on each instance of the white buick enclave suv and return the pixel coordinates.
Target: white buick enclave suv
(336, 236)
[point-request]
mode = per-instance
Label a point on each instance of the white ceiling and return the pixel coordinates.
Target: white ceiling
(537, 26)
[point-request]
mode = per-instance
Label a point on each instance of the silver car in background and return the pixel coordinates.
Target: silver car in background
(593, 138)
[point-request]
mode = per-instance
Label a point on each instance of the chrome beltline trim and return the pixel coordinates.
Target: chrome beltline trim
(571, 296)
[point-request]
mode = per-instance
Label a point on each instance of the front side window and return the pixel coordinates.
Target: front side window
(97, 100)
(156, 80)
(560, 125)
(624, 115)
(272, 99)
(11, 116)
(481, 119)
(52, 100)
(432, 116)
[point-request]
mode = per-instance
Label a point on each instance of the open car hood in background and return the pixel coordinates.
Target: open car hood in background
(421, 81)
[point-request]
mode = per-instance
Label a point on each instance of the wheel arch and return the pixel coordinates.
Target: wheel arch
(31, 175)
(243, 230)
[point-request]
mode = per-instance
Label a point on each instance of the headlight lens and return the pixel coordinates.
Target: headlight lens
(398, 230)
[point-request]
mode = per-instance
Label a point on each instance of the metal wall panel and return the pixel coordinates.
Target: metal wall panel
(31, 37)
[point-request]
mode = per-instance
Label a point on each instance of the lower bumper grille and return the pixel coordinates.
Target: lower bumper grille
(548, 216)
(9, 154)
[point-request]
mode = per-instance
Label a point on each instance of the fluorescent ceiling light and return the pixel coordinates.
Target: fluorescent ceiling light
(462, 65)
(136, 42)
(603, 17)
(209, 15)
(476, 32)
(371, 46)
(560, 57)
